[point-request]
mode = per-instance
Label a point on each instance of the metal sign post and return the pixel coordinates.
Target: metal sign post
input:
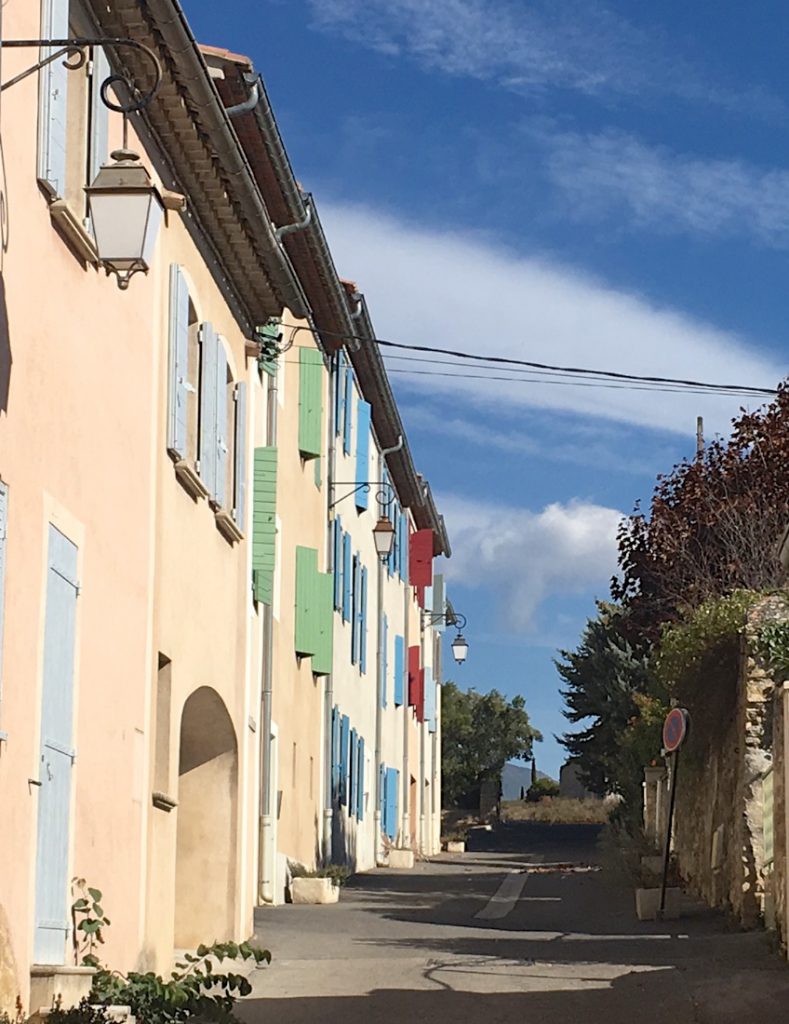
(675, 731)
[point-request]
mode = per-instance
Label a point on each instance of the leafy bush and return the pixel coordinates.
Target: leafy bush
(541, 789)
(338, 873)
(195, 989)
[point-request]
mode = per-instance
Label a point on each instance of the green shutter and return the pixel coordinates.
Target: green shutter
(322, 658)
(264, 529)
(306, 634)
(310, 402)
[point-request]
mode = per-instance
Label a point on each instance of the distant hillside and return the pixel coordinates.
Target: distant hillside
(517, 776)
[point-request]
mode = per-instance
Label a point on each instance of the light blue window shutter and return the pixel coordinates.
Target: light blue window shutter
(399, 670)
(353, 796)
(345, 728)
(360, 782)
(335, 752)
(208, 374)
(390, 803)
(355, 606)
(384, 659)
(337, 539)
(339, 393)
(240, 448)
(179, 387)
(430, 699)
(347, 577)
(404, 547)
(52, 105)
(347, 410)
(221, 441)
(439, 605)
(362, 451)
(363, 622)
(98, 150)
(382, 793)
(3, 556)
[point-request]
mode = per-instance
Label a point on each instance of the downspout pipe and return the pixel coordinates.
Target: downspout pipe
(267, 856)
(249, 103)
(288, 229)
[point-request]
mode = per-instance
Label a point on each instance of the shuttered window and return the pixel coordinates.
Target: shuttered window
(363, 620)
(52, 107)
(347, 411)
(399, 670)
(362, 452)
(345, 730)
(209, 355)
(98, 146)
(313, 630)
(390, 808)
(335, 753)
(310, 402)
(221, 445)
(421, 558)
(347, 578)
(353, 795)
(439, 603)
(264, 530)
(405, 534)
(339, 393)
(430, 699)
(360, 781)
(356, 602)
(240, 459)
(337, 538)
(413, 675)
(179, 387)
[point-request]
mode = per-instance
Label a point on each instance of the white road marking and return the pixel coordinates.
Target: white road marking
(505, 898)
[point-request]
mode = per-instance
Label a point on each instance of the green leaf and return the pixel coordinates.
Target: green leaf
(80, 904)
(95, 894)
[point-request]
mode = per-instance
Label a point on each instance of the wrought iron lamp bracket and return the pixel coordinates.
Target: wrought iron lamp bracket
(453, 619)
(75, 52)
(383, 495)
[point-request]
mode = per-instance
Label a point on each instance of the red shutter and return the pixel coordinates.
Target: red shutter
(420, 558)
(413, 676)
(420, 705)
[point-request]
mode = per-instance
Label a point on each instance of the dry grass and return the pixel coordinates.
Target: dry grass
(456, 823)
(559, 811)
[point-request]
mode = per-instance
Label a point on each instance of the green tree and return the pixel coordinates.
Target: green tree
(614, 694)
(480, 732)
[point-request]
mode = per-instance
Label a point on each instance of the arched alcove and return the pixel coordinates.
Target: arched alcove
(205, 870)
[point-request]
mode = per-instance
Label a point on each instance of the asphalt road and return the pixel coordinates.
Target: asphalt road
(534, 925)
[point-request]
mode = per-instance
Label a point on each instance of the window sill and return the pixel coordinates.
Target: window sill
(163, 801)
(73, 230)
(226, 525)
(188, 478)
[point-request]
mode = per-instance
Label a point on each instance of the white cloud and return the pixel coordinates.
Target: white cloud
(523, 47)
(459, 292)
(526, 557)
(615, 173)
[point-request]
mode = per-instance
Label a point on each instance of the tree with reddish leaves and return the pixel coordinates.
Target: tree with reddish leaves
(714, 524)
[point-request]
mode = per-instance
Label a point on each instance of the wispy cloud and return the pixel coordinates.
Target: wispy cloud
(526, 556)
(459, 292)
(582, 46)
(615, 175)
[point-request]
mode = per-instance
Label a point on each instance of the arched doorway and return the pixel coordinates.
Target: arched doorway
(205, 868)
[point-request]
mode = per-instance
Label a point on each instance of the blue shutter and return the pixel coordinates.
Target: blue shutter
(347, 577)
(439, 605)
(208, 375)
(345, 728)
(355, 606)
(221, 446)
(56, 753)
(363, 622)
(52, 106)
(404, 547)
(98, 151)
(360, 782)
(3, 535)
(384, 659)
(353, 765)
(347, 410)
(178, 384)
(399, 670)
(338, 581)
(339, 393)
(362, 452)
(240, 468)
(430, 699)
(390, 802)
(335, 753)
(382, 793)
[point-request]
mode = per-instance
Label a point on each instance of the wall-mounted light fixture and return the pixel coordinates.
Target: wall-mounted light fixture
(383, 531)
(125, 207)
(450, 618)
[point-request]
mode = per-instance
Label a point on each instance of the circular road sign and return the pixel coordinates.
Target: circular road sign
(675, 729)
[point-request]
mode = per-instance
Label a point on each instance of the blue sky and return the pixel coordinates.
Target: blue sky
(589, 184)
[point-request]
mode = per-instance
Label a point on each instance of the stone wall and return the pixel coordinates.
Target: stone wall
(719, 815)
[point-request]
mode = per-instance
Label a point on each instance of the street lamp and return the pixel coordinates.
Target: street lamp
(126, 213)
(460, 648)
(383, 535)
